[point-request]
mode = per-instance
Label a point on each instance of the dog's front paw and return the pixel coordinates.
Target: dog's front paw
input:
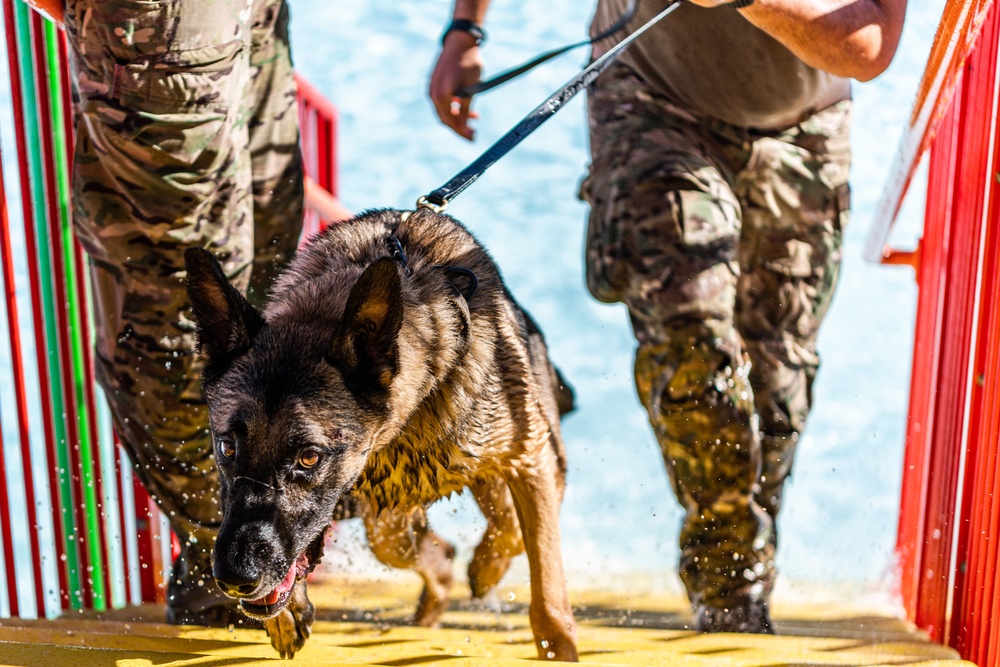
(290, 629)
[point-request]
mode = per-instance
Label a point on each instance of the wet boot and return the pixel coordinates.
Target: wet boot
(747, 615)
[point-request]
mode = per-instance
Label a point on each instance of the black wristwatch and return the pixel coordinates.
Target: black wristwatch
(465, 25)
(740, 4)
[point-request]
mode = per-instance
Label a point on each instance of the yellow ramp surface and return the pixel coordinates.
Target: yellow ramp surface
(363, 623)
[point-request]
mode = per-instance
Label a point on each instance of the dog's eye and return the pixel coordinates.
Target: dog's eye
(227, 446)
(309, 458)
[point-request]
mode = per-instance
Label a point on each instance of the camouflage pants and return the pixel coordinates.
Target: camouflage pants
(725, 245)
(186, 134)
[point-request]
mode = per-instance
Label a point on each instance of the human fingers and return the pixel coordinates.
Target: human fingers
(459, 65)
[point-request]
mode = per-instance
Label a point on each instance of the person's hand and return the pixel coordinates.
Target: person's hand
(459, 64)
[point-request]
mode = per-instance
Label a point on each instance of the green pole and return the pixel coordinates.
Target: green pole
(32, 132)
(74, 296)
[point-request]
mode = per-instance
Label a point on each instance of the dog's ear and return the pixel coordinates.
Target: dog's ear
(365, 344)
(226, 322)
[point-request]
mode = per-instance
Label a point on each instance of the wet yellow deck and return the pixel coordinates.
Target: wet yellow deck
(362, 623)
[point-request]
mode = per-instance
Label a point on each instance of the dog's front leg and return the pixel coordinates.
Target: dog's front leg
(536, 496)
(501, 540)
(290, 629)
(401, 538)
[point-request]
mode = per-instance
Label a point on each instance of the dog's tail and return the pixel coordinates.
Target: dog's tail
(565, 398)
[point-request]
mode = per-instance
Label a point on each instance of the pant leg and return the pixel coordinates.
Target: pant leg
(274, 146)
(161, 163)
(795, 201)
(663, 236)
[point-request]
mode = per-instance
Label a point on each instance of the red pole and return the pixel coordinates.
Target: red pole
(147, 528)
(34, 281)
(926, 364)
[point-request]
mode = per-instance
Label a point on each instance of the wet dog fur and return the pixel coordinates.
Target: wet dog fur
(390, 368)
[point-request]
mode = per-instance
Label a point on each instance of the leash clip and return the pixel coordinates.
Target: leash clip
(424, 202)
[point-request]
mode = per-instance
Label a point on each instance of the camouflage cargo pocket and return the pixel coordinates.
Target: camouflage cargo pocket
(708, 218)
(181, 104)
(607, 276)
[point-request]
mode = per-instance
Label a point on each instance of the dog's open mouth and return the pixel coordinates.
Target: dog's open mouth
(271, 604)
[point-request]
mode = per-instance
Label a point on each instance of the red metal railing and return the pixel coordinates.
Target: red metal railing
(956, 34)
(318, 127)
(973, 625)
(57, 421)
(950, 506)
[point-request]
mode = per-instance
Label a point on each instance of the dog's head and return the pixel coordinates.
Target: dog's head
(296, 405)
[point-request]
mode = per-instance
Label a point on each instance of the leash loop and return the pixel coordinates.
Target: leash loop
(513, 73)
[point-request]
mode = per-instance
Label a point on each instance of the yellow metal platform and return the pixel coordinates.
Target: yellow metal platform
(363, 623)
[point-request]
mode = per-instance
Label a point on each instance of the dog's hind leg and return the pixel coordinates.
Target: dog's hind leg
(537, 498)
(402, 538)
(502, 539)
(290, 629)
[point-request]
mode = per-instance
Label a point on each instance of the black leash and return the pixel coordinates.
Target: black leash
(504, 77)
(438, 199)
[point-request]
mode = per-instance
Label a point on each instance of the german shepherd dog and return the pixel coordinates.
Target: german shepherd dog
(390, 368)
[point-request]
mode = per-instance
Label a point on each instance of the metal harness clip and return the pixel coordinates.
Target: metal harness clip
(423, 202)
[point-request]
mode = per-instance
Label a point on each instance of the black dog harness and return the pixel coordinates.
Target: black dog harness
(399, 256)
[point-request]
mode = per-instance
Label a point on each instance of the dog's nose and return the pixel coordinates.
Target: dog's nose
(244, 588)
(236, 583)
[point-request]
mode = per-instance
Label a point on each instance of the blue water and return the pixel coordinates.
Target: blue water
(619, 518)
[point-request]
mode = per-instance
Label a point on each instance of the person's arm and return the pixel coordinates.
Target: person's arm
(459, 64)
(851, 38)
(52, 9)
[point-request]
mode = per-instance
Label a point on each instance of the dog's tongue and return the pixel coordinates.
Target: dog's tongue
(285, 585)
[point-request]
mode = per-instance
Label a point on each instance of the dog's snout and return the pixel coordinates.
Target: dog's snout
(235, 583)
(244, 551)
